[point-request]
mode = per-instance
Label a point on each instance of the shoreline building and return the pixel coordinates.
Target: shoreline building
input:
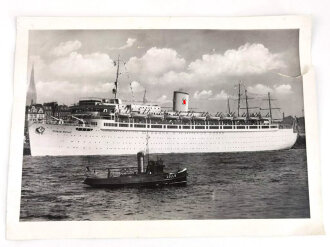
(31, 96)
(35, 113)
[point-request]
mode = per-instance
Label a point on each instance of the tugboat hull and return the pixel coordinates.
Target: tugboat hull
(140, 180)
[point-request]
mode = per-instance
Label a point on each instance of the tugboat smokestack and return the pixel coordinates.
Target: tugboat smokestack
(140, 162)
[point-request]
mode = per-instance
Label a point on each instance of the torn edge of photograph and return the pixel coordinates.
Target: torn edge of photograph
(145, 127)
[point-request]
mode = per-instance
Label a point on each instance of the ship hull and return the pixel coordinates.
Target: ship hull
(140, 180)
(65, 140)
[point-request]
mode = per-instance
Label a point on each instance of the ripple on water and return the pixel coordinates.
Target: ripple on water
(220, 186)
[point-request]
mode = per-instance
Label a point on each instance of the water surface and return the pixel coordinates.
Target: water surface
(220, 186)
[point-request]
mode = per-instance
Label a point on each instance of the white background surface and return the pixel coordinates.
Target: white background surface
(320, 11)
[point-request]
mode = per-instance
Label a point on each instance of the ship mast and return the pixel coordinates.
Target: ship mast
(115, 90)
(246, 104)
(239, 99)
(228, 106)
(270, 108)
(145, 96)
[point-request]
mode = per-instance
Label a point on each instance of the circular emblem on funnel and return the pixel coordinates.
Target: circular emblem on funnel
(184, 101)
(40, 130)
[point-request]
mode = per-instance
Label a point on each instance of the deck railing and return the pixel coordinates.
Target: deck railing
(188, 126)
(179, 126)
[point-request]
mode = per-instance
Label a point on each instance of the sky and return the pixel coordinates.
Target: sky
(208, 64)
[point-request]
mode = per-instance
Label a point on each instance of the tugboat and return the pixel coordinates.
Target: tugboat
(153, 176)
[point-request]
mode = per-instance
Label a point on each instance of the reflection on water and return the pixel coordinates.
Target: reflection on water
(220, 186)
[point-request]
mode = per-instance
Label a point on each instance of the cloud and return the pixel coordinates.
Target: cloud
(164, 66)
(220, 96)
(129, 43)
(247, 59)
(283, 89)
(163, 99)
(176, 78)
(68, 92)
(65, 48)
(86, 74)
(136, 87)
(88, 65)
(259, 89)
(156, 62)
(204, 94)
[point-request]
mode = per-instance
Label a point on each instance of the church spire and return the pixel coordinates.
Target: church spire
(31, 97)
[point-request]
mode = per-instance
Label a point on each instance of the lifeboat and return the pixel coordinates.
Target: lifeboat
(240, 118)
(212, 118)
(228, 118)
(138, 115)
(155, 116)
(186, 117)
(171, 117)
(199, 118)
(124, 115)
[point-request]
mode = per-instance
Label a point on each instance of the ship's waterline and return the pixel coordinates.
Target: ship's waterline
(62, 140)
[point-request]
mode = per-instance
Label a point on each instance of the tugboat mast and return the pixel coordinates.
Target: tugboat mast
(147, 147)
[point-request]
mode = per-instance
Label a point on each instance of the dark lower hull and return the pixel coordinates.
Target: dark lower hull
(140, 180)
(301, 142)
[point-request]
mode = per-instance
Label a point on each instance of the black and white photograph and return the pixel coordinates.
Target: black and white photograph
(163, 124)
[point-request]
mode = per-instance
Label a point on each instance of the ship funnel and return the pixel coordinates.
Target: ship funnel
(140, 162)
(180, 101)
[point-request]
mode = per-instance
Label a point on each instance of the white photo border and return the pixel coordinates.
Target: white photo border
(162, 228)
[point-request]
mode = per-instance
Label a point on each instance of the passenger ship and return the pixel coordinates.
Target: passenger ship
(110, 127)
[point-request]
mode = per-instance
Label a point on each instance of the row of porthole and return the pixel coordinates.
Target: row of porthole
(175, 138)
(183, 143)
(190, 146)
(179, 143)
(224, 137)
(185, 139)
(195, 144)
(165, 148)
